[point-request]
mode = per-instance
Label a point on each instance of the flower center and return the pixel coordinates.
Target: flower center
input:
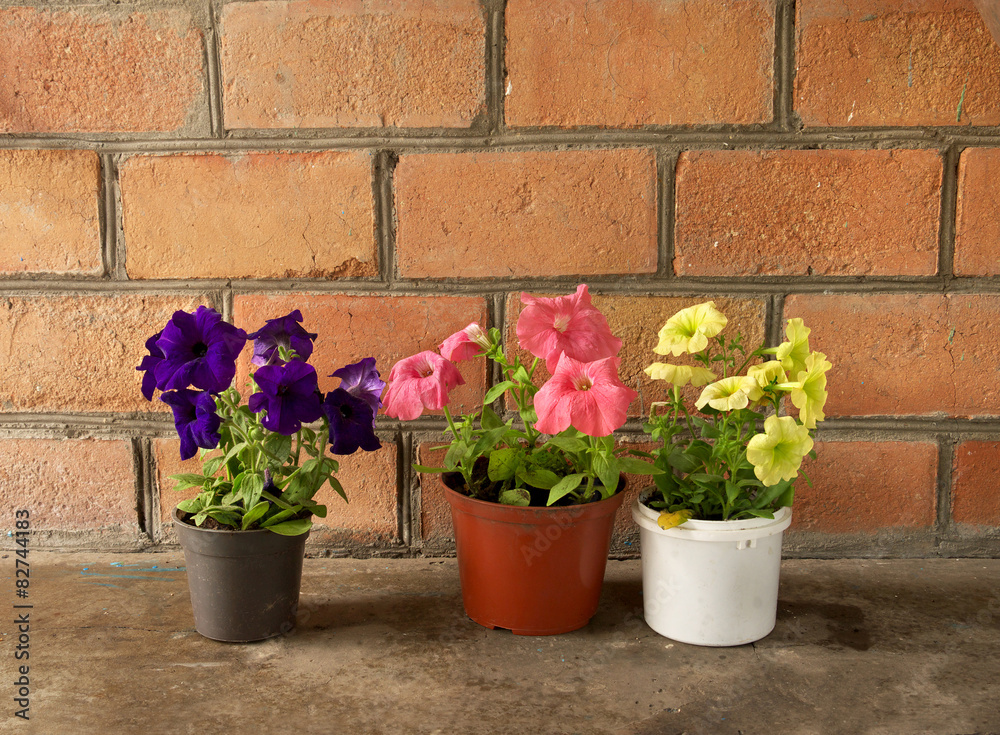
(582, 382)
(200, 349)
(561, 323)
(282, 390)
(346, 411)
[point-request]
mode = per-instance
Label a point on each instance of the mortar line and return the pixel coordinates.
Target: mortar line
(213, 63)
(666, 201)
(495, 50)
(106, 217)
(414, 497)
(949, 212)
(611, 283)
(723, 138)
(774, 320)
(947, 446)
(140, 472)
(403, 511)
(385, 232)
(226, 301)
(784, 65)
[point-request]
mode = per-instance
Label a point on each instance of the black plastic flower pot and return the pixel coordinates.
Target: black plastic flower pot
(244, 584)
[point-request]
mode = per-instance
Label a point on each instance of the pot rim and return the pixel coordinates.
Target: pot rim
(175, 516)
(525, 513)
(701, 530)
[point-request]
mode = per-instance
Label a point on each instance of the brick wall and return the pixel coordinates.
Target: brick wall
(396, 168)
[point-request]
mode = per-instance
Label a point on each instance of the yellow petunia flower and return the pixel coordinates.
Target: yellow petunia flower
(680, 375)
(777, 454)
(810, 397)
(729, 393)
(689, 329)
(792, 354)
(767, 372)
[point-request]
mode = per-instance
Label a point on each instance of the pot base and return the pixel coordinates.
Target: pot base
(244, 584)
(532, 571)
(711, 583)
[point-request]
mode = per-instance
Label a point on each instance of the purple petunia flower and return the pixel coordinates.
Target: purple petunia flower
(199, 350)
(351, 423)
(148, 365)
(363, 381)
(196, 420)
(289, 395)
(284, 332)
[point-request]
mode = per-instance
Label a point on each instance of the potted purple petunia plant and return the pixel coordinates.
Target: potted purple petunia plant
(269, 462)
(263, 461)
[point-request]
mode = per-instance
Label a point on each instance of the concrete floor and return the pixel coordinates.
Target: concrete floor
(383, 646)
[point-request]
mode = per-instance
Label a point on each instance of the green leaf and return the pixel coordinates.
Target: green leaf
(212, 466)
(487, 441)
(225, 517)
(192, 505)
(489, 419)
(503, 464)
(424, 468)
(456, 453)
(565, 486)
(252, 487)
(568, 444)
(544, 479)
(191, 478)
(606, 468)
(281, 515)
(279, 446)
(498, 390)
(339, 489)
(256, 512)
(292, 528)
(635, 466)
(515, 496)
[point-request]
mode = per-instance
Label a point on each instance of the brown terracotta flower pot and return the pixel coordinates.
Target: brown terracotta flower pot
(533, 571)
(244, 584)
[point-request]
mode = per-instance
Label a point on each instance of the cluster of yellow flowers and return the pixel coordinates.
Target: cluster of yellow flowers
(777, 453)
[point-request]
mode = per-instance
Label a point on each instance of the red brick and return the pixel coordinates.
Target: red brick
(69, 484)
(975, 492)
(369, 480)
(623, 63)
(865, 487)
(265, 215)
(637, 320)
(387, 328)
(85, 70)
(916, 354)
(888, 63)
(435, 513)
(482, 215)
(977, 236)
(807, 213)
(378, 63)
(50, 222)
(78, 353)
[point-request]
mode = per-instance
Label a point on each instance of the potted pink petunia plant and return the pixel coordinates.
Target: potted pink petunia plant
(533, 493)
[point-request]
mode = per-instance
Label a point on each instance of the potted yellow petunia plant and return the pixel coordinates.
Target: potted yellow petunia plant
(711, 526)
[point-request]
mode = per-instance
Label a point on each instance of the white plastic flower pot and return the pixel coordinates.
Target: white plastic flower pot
(711, 583)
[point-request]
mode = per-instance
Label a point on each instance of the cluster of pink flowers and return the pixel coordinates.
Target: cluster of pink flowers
(579, 350)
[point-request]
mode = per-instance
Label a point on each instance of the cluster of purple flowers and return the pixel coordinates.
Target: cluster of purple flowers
(194, 359)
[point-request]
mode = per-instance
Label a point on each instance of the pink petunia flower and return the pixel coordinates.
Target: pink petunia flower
(549, 327)
(465, 344)
(419, 382)
(586, 395)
